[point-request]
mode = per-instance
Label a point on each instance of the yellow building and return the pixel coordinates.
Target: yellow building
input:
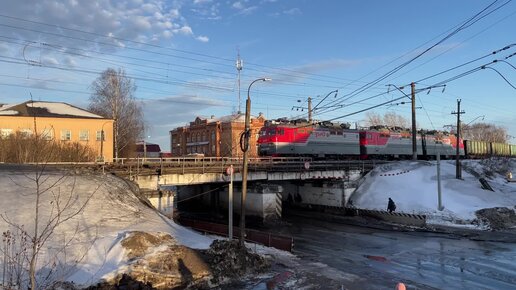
(60, 122)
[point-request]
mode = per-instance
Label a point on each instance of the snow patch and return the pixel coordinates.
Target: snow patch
(415, 191)
(63, 109)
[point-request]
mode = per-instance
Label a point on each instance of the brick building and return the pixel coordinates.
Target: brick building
(215, 137)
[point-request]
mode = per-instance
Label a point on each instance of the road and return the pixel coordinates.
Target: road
(421, 260)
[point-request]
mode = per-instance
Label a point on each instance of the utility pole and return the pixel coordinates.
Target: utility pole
(439, 199)
(230, 205)
(245, 148)
(458, 168)
(310, 110)
(239, 66)
(414, 135)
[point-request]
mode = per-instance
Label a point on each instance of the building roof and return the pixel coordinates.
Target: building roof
(237, 117)
(46, 109)
(149, 146)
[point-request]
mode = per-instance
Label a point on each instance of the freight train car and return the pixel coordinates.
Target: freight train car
(482, 149)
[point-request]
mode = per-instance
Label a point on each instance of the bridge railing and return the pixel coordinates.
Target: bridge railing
(184, 165)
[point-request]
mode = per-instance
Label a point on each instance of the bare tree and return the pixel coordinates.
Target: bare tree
(52, 208)
(485, 132)
(113, 97)
(389, 119)
(392, 119)
(373, 119)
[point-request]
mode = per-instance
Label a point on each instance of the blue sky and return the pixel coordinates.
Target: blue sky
(181, 55)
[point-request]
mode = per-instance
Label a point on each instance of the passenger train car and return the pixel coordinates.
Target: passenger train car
(328, 140)
(378, 142)
(299, 139)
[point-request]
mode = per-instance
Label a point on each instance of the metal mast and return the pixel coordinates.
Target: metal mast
(239, 66)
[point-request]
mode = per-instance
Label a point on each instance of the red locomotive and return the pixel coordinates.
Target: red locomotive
(337, 140)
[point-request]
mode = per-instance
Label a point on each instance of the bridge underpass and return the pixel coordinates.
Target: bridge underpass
(272, 181)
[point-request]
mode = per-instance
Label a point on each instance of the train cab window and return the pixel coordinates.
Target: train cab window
(281, 132)
(369, 136)
(301, 131)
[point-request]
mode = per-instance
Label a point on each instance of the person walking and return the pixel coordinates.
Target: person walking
(391, 206)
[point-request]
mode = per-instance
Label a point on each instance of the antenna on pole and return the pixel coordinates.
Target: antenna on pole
(239, 66)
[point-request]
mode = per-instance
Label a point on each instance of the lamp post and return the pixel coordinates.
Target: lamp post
(245, 149)
(482, 116)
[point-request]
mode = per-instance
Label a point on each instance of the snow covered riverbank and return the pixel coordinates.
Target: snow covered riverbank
(413, 187)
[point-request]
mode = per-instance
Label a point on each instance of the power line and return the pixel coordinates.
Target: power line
(472, 20)
(151, 45)
(500, 74)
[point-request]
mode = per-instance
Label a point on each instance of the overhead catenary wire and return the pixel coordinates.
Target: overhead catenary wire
(472, 20)
(148, 51)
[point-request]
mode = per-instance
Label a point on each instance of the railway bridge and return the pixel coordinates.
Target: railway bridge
(272, 181)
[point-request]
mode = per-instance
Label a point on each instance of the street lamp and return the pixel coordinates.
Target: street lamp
(482, 116)
(245, 149)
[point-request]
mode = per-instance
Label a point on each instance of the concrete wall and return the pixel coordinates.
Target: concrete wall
(261, 203)
(320, 193)
(150, 182)
(164, 202)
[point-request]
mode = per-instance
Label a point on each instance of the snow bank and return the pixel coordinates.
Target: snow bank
(87, 247)
(413, 187)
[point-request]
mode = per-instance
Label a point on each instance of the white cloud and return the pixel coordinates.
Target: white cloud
(238, 5)
(136, 20)
(300, 72)
(202, 38)
(208, 13)
(4, 49)
(293, 11)
(196, 2)
(69, 61)
(185, 30)
(46, 60)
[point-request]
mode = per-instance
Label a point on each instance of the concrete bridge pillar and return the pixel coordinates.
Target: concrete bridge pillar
(164, 200)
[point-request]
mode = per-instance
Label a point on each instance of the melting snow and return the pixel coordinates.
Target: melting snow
(413, 187)
(63, 109)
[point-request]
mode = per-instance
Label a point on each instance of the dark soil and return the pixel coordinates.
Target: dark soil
(497, 218)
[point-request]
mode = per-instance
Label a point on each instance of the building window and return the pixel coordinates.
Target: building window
(99, 136)
(66, 135)
(47, 134)
(84, 135)
(213, 148)
(5, 133)
(213, 136)
(25, 133)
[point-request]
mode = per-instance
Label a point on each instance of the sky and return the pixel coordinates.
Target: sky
(181, 56)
